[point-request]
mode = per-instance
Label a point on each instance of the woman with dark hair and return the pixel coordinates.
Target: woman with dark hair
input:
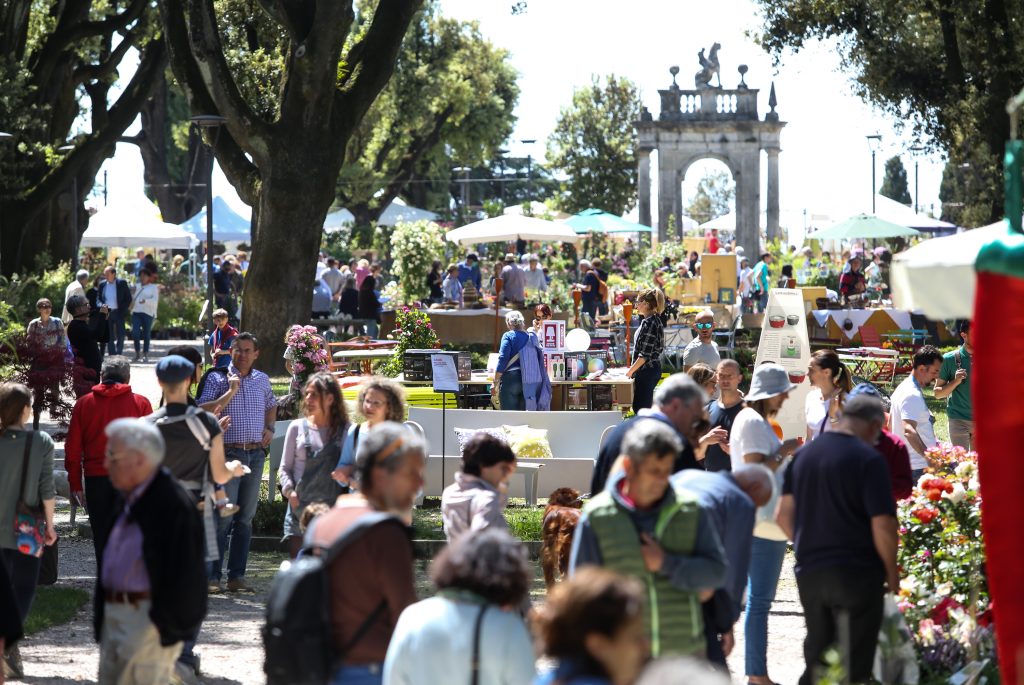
(830, 383)
(477, 498)
(369, 305)
(592, 626)
(541, 313)
(312, 448)
(786, 279)
(26, 475)
(379, 400)
(647, 348)
(193, 355)
(471, 631)
(434, 280)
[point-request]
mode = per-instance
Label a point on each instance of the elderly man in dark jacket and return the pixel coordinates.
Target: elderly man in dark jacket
(144, 612)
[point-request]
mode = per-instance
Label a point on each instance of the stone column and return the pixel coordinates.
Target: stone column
(748, 202)
(644, 186)
(668, 193)
(773, 193)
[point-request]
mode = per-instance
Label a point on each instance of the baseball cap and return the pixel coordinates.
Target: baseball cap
(174, 369)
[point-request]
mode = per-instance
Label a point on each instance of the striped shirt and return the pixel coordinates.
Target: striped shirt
(247, 408)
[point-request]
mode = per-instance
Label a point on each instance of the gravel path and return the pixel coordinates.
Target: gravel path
(230, 643)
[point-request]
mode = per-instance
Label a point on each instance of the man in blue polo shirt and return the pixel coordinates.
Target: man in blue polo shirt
(954, 384)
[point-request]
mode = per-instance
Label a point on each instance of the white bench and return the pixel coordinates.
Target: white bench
(575, 439)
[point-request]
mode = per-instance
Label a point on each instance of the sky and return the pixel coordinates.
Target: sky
(559, 45)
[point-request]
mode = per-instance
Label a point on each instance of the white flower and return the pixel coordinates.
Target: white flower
(958, 494)
(967, 469)
(909, 584)
(974, 485)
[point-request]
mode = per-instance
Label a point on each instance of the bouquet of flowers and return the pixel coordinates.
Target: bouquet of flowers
(943, 589)
(413, 331)
(308, 354)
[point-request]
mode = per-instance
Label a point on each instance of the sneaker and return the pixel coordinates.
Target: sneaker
(229, 510)
(214, 587)
(12, 663)
(239, 585)
(145, 359)
(136, 359)
(183, 675)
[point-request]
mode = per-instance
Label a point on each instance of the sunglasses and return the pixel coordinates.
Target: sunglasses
(704, 326)
(44, 306)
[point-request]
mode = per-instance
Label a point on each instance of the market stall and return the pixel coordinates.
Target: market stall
(845, 324)
(464, 326)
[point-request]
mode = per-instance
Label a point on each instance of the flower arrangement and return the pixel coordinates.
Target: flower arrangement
(413, 331)
(414, 246)
(944, 590)
(308, 355)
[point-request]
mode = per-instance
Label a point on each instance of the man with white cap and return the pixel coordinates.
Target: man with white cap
(75, 287)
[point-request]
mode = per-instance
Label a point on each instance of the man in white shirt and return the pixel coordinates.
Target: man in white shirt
(333, 278)
(536, 282)
(702, 348)
(75, 287)
(909, 417)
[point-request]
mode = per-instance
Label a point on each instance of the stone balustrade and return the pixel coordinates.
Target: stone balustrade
(710, 104)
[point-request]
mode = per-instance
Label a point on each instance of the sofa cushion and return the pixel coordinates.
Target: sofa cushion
(528, 442)
(465, 435)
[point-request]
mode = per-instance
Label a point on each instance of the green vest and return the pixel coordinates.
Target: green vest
(672, 617)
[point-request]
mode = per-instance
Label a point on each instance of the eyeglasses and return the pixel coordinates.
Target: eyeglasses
(704, 326)
(44, 306)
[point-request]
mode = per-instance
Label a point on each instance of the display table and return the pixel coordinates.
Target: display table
(465, 326)
(873, 364)
(882, 320)
(564, 394)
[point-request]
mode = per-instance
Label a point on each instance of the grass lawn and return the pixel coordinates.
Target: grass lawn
(54, 605)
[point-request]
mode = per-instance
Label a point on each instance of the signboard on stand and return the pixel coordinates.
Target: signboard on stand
(784, 341)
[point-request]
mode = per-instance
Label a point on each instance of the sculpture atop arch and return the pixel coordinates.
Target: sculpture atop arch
(718, 123)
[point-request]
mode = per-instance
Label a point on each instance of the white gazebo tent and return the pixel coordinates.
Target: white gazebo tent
(135, 223)
(937, 276)
(397, 212)
(511, 227)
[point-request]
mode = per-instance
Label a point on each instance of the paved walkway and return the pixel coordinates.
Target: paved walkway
(230, 642)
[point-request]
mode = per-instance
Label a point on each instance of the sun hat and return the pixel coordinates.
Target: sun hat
(769, 380)
(509, 257)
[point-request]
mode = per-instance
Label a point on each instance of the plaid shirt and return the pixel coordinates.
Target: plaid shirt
(247, 408)
(650, 339)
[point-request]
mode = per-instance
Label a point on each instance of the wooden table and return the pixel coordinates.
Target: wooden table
(363, 358)
(874, 364)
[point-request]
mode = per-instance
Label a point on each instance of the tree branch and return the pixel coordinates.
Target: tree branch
(72, 29)
(95, 72)
(372, 61)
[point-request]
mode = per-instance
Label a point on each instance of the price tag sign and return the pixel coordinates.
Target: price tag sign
(446, 373)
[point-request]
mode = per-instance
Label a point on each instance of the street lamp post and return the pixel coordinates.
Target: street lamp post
(66, 149)
(916, 150)
(529, 170)
(214, 122)
(874, 141)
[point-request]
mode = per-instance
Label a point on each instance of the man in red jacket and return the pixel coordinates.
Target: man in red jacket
(86, 445)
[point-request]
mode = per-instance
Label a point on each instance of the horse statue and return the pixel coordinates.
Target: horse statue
(709, 68)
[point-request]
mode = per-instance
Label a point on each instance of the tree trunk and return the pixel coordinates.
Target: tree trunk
(286, 239)
(362, 231)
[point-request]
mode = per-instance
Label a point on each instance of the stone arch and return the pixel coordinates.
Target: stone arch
(724, 159)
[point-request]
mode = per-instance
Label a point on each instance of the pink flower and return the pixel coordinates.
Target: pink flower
(299, 367)
(925, 554)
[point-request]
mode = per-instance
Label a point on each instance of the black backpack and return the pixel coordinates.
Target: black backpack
(297, 637)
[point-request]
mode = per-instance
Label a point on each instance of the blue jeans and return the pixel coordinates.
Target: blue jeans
(359, 674)
(765, 568)
(510, 392)
(142, 326)
(115, 343)
(244, 492)
(645, 380)
(762, 302)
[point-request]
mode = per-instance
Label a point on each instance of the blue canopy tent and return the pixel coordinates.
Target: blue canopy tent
(228, 225)
(599, 221)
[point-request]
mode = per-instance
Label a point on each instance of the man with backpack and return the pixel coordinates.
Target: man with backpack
(365, 552)
(195, 456)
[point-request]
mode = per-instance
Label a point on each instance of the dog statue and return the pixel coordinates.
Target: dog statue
(560, 519)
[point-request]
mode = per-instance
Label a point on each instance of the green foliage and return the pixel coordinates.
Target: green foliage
(413, 331)
(414, 246)
(966, 191)
(713, 198)
(179, 306)
(525, 523)
(22, 292)
(54, 605)
(894, 183)
(338, 245)
(920, 63)
(269, 517)
(594, 144)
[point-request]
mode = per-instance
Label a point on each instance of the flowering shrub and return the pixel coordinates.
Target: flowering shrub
(414, 246)
(308, 356)
(413, 332)
(944, 590)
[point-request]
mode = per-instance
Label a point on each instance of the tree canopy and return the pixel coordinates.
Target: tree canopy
(54, 56)
(946, 68)
(449, 102)
(594, 147)
(713, 198)
(894, 182)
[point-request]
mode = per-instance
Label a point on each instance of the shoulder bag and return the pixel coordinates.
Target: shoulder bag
(29, 521)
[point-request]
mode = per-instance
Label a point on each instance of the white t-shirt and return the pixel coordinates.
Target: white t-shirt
(908, 403)
(751, 434)
(815, 411)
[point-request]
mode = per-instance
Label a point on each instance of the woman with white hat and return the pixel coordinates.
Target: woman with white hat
(753, 440)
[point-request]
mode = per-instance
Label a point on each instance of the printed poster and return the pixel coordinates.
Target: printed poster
(784, 341)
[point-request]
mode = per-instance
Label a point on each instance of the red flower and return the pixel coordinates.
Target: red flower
(985, 618)
(924, 514)
(940, 614)
(934, 495)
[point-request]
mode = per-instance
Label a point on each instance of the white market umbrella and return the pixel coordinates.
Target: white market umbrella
(937, 276)
(898, 213)
(396, 213)
(134, 223)
(510, 227)
(228, 225)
